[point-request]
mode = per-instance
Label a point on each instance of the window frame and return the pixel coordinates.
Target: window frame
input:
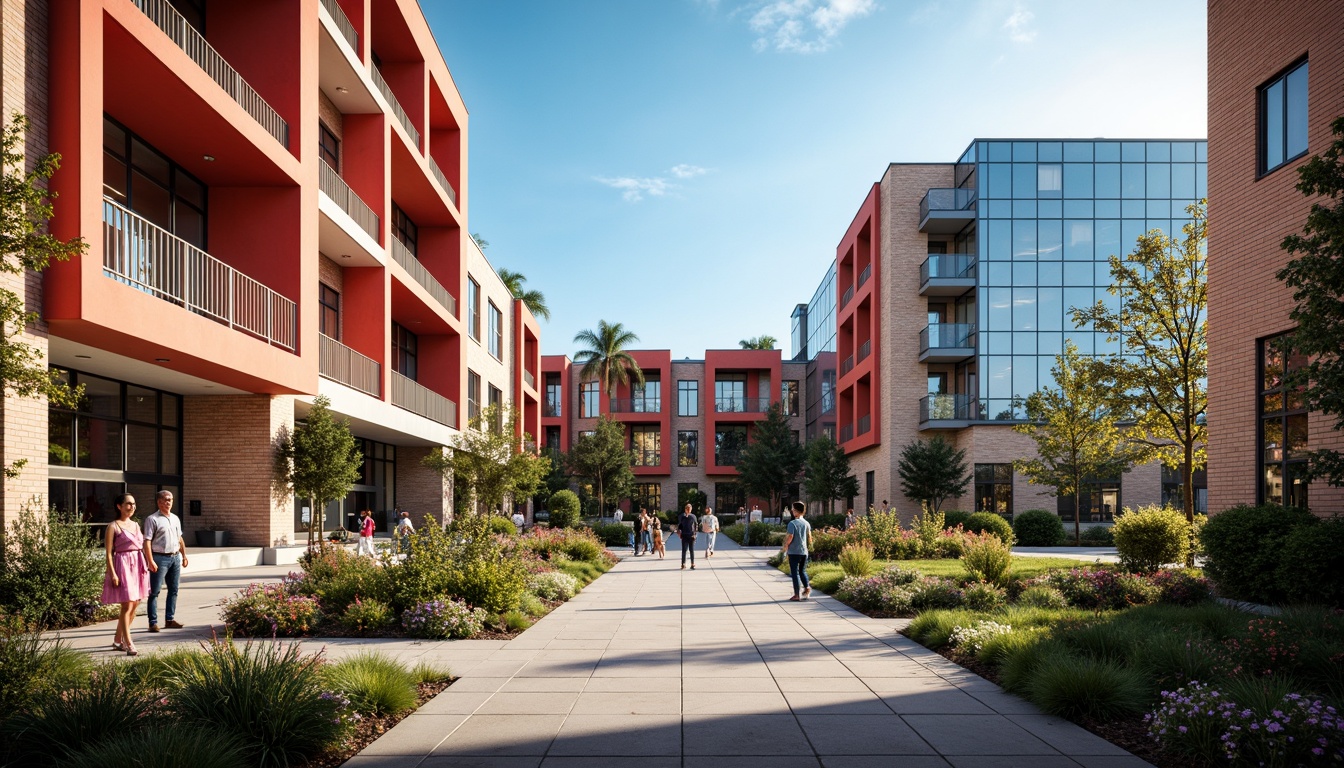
(405, 351)
(644, 456)
(495, 344)
(1263, 167)
(329, 307)
(473, 309)
(990, 479)
(1287, 410)
(590, 394)
(473, 396)
(405, 230)
(688, 392)
(688, 448)
(328, 146)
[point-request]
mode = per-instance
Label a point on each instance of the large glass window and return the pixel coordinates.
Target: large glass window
(405, 230)
(1283, 118)
(405, 347)
(589, 394)
(1283, 425)
(497, 402)
(730, 393)
(554, 395)
(729, 440)
(790, 395)
(1098, 501)
(329, 301)
(647, 495)
(328, 147)
(149, 183)
(473, 309)
(646, 440)
(994, 488)
(688, 397)
(473, 396)
(1172, 495)
(646, 399)
(688, 448)
(496, 343)
(729, 498)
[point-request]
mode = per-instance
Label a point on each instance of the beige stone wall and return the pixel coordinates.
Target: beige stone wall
(227, 464)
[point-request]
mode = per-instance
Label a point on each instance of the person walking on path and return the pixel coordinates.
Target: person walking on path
(850, 519)
(709, 525)
(796, 541)
(648, 531)
(404, 531)
(637, 530)
(166, 556)
(686, 525)
(365, 546)
(126, 581)
(658, 545)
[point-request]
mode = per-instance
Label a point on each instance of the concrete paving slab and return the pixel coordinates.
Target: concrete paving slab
(863, 735)
(863, 702)
(977, 735)
(744, 735)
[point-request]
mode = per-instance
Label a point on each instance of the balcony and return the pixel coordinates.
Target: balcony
(849, 294)
(846, 433)
(343, 24)
(150, 259)
(334, 187)
(185, 36)
(421, 401)
(741, 404)
(946, 211)
(865, 274)
(942, 411)
(403, 256)
(947, 342)
(865, 424)
(636, 405)
(847, 365)
(443, 180)
(947, 274)
(344, 365)
(865, 349)
(391, 99)
(529, 379)
(552, 408)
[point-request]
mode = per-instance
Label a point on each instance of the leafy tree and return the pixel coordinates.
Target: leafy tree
(933, 470)
(1076, 430)
(759, 342)
(773, 460)
(556, 480)
(606, 358)
(488, 460)
(602, 459)
(320, 461)
(1164, 362)
(534, 300)
(826, 474)
(481, 242)
(25, 244)
(1316, 275)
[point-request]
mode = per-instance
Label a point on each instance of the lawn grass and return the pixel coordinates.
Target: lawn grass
(825, 576)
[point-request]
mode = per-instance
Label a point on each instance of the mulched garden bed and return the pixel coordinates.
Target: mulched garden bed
(370, 729)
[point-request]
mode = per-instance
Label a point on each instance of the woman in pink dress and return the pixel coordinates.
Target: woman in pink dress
(127, 578)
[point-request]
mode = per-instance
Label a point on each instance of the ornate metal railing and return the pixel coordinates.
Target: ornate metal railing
(333, 186)
(403, 256)
(425, 402)
(344, 365)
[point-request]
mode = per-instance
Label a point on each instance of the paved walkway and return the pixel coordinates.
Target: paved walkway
(656, 667)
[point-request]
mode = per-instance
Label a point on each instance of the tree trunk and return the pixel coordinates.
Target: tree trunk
(1188, 499)
(1077, 513)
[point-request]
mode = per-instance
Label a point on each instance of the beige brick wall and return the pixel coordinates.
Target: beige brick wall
(227, 462)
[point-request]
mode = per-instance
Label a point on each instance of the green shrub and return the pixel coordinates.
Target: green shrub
(443, 619)
(1097, 536)
(155, 671)
(1041, 596)
(1182, 587)
(1173, 659)
(1074, 687)
(533, 606)
(428, 672)
(367, 616)
(374, 684)
(996, 649)
(424, 574)
(981, 596)
(267, 695)
(60, 723)
(467, 562)
(1109, 640)
(883, 531)
(928, 529)
(553, 585)
(827, 543)
(953, 518)
(1018, 666)
(1311, 568)
(501, 525)
(271, 610)
(1038, 528)
(564, 508)
(1150, 537)
(584, 572)
(164, 746)
(857, 559)
(336, 577)
(934, 592)
(515, 621)
(988, 522)
(986, 556)
(833, 520)
(51, 570)
(613, 534)
(933, 629)
(1243, 548)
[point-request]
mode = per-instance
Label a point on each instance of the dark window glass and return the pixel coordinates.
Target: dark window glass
(554, 395)
(152, 185)
(473, 309)
(329, 301)
(1284, 439)
(646, 441)
(496, 340)
(688, 397)
(61, 439)
(688, 448)
(589, 395)
(728, 444)
(790, 396)
(142, 448)
(647, 495)
(142, 404)
(99, 443)
(1283, 118)
(405, 346)
(405, 230)
(473, 396)
(994, 488)
(328, 147)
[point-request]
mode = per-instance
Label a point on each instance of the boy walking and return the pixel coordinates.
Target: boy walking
(686, 525)
(796, 541)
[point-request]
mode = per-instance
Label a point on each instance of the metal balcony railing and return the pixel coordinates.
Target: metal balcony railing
(185, 36)
(847, 365)
(946, 200)
(948, 407)
(529, 379)
(443, 179)
(344, 365)
(947, 265)
(849, 294)
(636, 405)
(334, 187)
(865, 349)
(395, 105)
(403, 256)
(151, 259)
(865, 274)
(343, 24)
(741, 404)
(553, 408)
(947, 336)
(865, 424)
(415, 398)
(846, 433)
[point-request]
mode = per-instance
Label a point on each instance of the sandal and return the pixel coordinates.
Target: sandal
(132, 652)
(795, 598)
(116, 646)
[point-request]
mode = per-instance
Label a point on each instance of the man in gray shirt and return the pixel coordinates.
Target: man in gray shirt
(796, 542)
(166, 554)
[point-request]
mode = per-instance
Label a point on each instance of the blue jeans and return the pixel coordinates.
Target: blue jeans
(798, 572)
(647, 538)
(170, 571)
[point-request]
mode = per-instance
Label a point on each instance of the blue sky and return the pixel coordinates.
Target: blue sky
(687, 167)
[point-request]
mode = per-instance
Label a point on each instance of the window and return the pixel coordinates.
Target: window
(496, 342)
(497, 402)
(328, 147)
(553, 439)
(589, 398)
(1283, 425)
(729, 498)
(1283, 118)
(147, 182)
(790, 396)
(404, 230)
(994, 488)
(870, 482)
(1098, 501)
(688, 448)
(728, 444)
(648, 398)
(329, 303)
(688, 397)
(554, 395)
(646, 440)
(404, 347)
(647, 495)
(473, 397)
(730, 393)
(1171, 489)
(473, 309)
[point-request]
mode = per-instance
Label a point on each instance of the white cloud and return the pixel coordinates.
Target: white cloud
(634, 189)
(684, 171)
(804, 26)
(1019, 25)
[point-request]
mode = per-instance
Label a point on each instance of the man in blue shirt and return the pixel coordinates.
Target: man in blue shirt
(796, 541)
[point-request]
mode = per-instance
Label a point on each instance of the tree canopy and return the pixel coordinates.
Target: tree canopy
(605, 357)
(759, 342)
(773, 460)
(320, 461)
(826, 473)
(933, 471)
(602, 459)
(534, 300)
(489, 462)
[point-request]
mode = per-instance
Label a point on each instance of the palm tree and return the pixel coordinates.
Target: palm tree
(605, 359)
(763, 341)
(533, 300)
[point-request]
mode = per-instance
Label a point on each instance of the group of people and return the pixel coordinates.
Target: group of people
(141, 559)
(648, 533)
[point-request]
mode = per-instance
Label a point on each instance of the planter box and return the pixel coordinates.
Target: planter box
(212, 538)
